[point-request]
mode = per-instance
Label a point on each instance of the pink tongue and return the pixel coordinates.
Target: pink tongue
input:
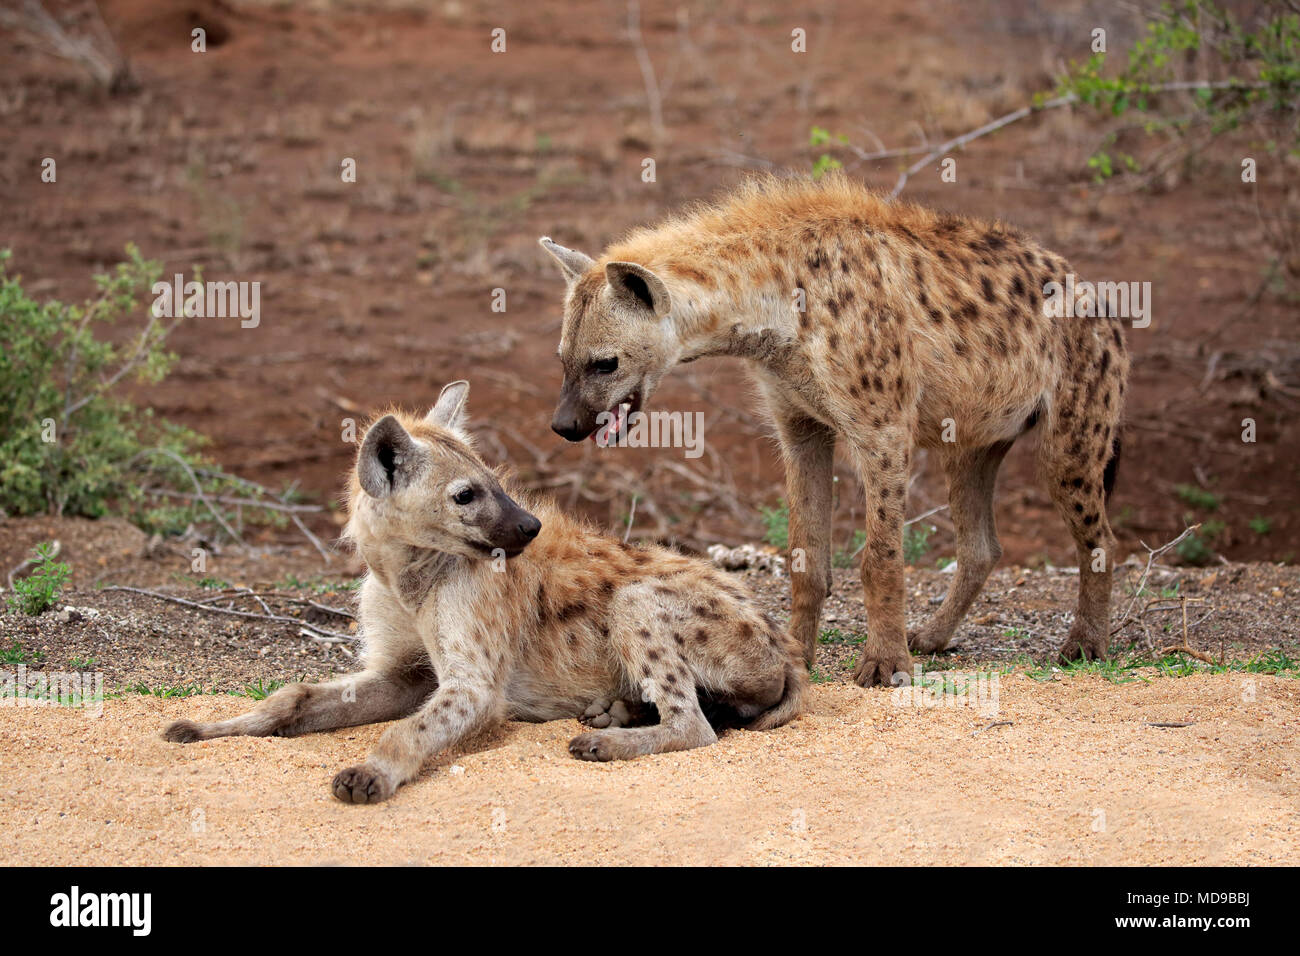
(606, 434)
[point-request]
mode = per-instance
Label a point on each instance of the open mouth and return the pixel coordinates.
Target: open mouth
(614, 430)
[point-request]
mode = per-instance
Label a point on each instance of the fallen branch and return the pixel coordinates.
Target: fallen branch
(319, 633)
(1184, 649)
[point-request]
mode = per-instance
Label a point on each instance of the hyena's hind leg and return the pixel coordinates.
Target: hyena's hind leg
(641, 634)
(1078, 466)
(971, 475)
(363, 698)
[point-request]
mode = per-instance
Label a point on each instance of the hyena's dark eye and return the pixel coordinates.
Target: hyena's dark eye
(464, 496)
(604, 366)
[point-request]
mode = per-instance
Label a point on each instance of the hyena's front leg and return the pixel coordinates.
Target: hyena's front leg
(459, 709)
(364, 698)
(809, 450)
(882, 467)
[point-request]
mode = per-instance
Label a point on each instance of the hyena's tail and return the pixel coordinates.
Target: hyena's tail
(793, 700)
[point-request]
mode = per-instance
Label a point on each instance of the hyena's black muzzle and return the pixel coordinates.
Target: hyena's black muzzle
(512, 528)
(573, 420)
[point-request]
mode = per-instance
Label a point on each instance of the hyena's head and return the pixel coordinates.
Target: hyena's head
(418, 481)
(616, 344)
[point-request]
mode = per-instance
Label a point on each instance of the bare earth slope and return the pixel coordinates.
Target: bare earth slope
(1079, 775)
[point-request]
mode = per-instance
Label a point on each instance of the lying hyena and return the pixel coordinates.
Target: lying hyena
(474, 610)
(882, 325)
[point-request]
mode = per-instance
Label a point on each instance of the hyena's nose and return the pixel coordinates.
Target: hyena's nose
(529, 527)
(569, 430)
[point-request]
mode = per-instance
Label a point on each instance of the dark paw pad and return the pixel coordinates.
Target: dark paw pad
(361, 785)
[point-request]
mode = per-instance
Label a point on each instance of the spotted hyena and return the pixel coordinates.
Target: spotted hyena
(475, 609)
(883, 326)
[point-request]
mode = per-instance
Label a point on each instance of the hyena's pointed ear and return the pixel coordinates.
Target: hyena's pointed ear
(449, 412)
(638, 285)
(573, 264)
(388, 459)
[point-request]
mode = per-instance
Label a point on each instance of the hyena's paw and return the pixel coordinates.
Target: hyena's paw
(1085, 645)
(928, 640)
(183, 732)
(362, 785)
(604, 712)
(599, 745)
(883, 668)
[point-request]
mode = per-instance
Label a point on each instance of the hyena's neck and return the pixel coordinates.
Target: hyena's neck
(409, 572)
(738, 308)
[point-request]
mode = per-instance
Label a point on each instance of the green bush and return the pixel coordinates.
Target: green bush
(70, 443)
(37, 592)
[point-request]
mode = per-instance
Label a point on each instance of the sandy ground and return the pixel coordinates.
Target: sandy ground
(1079, 776)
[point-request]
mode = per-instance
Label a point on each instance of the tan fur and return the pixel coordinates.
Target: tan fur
(913, 319)
(458, 639)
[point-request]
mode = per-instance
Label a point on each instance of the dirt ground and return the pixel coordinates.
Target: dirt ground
(1079, 775)
(379, 291)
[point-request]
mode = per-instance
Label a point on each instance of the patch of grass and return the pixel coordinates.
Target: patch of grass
(16, 655)
(81, 663)
(833, 635)
(166, 693)
(1261, 525)
(1016, 633)
(318, 584)
(212, 584)
(816, 676)
(36, 593)
(260, 690)
(1143, 667)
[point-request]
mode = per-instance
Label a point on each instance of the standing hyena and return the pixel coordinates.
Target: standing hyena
(883, 325)
(475, 610)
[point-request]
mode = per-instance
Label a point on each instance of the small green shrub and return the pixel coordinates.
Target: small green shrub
(37, 592)
(916, 541)
(1198, 547)
(777, 522)
(1197, 497)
